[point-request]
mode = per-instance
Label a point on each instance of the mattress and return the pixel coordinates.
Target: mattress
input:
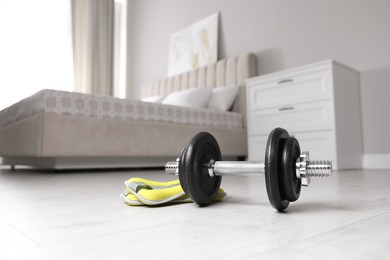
(94, 106)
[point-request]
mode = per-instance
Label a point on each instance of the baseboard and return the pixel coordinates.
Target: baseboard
(376, 161)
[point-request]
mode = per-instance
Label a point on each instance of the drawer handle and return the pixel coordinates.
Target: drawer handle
(286, 108)
(285, 81)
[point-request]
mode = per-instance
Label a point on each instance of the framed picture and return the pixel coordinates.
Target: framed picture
(193, 47)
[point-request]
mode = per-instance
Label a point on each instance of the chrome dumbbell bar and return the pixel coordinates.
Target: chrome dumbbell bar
(305, 169)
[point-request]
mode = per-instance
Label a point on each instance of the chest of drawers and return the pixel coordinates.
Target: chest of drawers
(316, 103)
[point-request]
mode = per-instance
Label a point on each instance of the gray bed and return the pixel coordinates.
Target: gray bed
(55, 129)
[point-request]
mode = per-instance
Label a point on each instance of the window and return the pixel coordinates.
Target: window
(35, 48)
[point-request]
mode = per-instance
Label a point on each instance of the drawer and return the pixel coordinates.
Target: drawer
(290, 90)
(306, 117)
(256, 147)
(321, 145)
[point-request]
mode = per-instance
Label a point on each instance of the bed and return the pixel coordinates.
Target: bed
(66, 130)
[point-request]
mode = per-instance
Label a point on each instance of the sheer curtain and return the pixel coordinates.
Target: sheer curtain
(35, 48)
(93, 46)
(120, 48)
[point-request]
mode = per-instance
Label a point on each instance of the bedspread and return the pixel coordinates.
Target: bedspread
(94, 106)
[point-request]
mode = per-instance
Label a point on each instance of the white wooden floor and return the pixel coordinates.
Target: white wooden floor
(79, 215)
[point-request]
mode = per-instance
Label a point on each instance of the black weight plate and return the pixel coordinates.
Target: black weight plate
(199, 185)
(273, 167)
(181, 169)
(290, 183)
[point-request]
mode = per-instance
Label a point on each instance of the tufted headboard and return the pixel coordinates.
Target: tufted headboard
(231, 71)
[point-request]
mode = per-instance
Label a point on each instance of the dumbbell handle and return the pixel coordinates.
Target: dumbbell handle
(221, 168)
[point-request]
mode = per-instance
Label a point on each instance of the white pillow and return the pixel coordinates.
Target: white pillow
(193, 97)
(223, 97)
(153, 99)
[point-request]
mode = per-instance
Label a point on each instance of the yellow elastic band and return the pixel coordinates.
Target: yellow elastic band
(140, 191)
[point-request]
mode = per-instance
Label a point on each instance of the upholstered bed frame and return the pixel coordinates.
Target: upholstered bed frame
(50, 140)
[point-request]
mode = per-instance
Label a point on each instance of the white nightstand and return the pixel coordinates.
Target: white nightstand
(316, 103)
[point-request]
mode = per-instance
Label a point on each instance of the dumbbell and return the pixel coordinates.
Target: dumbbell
(200, 168)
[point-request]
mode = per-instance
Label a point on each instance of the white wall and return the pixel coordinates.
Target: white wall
(283, 34)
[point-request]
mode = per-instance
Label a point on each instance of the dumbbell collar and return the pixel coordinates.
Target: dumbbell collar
(301, 169)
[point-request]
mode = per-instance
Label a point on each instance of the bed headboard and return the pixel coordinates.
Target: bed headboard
(223, 73)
